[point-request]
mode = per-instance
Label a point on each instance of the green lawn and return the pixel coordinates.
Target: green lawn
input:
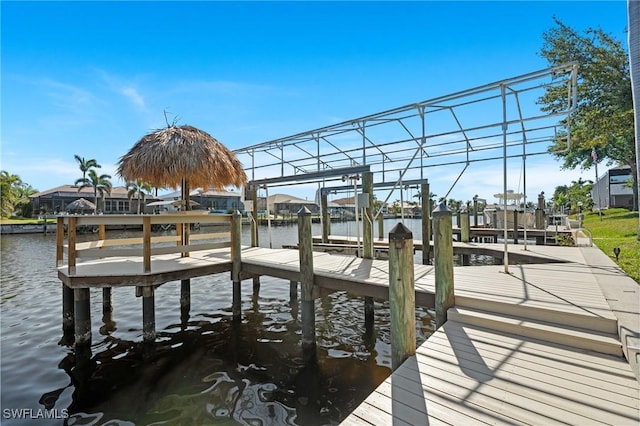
(618, 228)
(6, 221)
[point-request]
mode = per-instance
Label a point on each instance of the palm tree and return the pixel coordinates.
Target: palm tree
(99, 184)
(136, 189)
(86, 165)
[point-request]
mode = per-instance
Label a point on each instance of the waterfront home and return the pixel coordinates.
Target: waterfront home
(210, 199)
(57, 199)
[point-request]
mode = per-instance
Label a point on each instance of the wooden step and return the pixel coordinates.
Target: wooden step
(600, 323)
(576, 337)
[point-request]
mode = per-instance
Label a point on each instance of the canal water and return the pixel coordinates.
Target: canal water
(203, 369)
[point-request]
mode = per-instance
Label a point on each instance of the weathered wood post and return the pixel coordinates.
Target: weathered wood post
(443, 262)
(401, 295)
(148, 314)
(367, 228)
(326, 217)
(465, 232)
(305, 248)
(475, 211)
(68, 325)
(82, 316)
(107, 306)
(71, 239)
(293, 290)
(236, 262)
(380, 226)
(426, 223)
(254, 234)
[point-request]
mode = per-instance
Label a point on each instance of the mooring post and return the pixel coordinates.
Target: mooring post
(465, 226)
(71, 239)
(305, 248)
(443, 262)
(380, 226)
(60, 241)
(107, 306)
(367, 227)
(326, 217)
(254, 234)
(68, 326)
(293, 290)
(401, 295)
(82, 316)
(148, 314)
(185, 300)
(236, 262)
(515, 227)
(426, 223)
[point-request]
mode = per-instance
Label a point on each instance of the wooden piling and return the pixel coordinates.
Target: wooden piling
(293, 290)
(146, 243)
(236, 262)
(465, 226)
(326, 217)
(426, 223)
(305, 248)
(68, 326)
(60, 241)
(367, 227)
(71, 240)
(401, 295)
(443, 262)
(185, 296)
(380, 226)
(148, 314)
(107, 306)
(82, 316)
(254, 214)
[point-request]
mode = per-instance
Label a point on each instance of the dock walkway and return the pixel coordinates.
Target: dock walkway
(538, 345)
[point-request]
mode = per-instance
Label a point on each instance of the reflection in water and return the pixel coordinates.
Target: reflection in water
(252, 372)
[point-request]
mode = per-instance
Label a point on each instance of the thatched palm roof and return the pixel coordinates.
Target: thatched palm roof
(81, 204)
(172, 156)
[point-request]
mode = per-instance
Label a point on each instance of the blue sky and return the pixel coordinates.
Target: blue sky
(91, 78)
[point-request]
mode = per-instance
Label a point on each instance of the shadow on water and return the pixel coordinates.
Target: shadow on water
(212, 370)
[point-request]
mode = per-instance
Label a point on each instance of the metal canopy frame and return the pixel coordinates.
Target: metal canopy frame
(500, 120)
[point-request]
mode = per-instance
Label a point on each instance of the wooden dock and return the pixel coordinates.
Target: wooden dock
(541, 344)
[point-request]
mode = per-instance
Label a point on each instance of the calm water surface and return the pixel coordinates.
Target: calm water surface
(204, 369)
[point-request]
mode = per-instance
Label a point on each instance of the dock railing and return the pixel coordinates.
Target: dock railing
(146, 246)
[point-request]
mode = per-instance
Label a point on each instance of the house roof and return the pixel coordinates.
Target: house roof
(73, 191)
(287, 199)
(200, 192)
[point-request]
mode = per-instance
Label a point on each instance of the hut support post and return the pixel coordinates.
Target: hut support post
(326, 217)
(82, 316)
(367, 249)
(60, 241)
(148, 314)
(401, 295)
(236, 262)
(443, 262)
(426, 223)
(146, 243)
(67, 310)
(71, 232)
(305, 245)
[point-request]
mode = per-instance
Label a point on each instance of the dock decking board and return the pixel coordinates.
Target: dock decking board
(463, 374)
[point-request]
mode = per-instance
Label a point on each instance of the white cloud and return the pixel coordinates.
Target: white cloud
(132, 94)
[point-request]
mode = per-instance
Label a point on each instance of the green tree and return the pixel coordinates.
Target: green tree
(8, 184)
(99, 183)
(602, 123)
(137, 189)
(86, 165)
(574, 195)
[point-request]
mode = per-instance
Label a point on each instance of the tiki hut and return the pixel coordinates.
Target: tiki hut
(79, 205)
(183, 157)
